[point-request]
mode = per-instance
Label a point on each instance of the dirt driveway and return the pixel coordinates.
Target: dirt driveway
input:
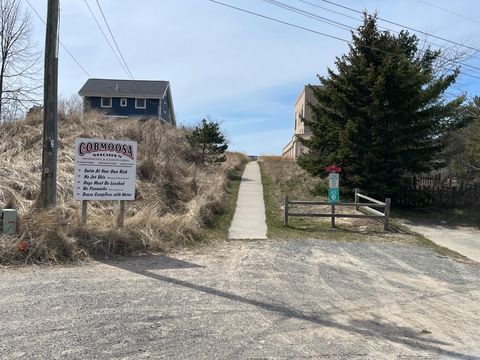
(247, 300)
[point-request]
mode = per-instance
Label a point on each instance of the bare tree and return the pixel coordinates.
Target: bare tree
(20, 62)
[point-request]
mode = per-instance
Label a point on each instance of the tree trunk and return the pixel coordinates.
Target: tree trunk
(2, 73)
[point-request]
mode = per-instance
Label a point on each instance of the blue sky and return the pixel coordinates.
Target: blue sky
(241, 70)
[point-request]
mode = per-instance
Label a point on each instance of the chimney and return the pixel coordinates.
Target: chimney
(116, 87)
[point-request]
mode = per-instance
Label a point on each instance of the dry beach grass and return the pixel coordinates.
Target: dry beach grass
(174, 197)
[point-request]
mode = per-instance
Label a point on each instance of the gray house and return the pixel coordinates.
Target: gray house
(129, 98)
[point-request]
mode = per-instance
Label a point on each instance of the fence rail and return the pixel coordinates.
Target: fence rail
(373, 203)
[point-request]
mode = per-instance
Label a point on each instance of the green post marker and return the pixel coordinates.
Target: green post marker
(333, 188)
(333, 196)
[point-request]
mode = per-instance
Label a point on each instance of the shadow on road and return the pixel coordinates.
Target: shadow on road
(379, 329)
(142, 263)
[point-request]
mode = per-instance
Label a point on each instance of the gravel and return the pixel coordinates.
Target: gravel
(304, 299)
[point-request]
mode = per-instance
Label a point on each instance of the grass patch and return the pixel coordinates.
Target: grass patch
(282, 177)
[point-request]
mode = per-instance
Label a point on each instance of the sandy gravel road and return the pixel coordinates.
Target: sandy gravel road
(247, 300)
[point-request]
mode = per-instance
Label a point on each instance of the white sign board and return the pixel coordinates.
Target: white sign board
(105, 169)
(333, 180)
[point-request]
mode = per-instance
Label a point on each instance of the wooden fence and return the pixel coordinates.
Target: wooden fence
(435, 190)
(368, 206)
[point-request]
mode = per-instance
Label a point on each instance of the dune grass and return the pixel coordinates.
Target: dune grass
(175, 198)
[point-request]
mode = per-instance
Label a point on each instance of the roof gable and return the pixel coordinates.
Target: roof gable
(125, 88)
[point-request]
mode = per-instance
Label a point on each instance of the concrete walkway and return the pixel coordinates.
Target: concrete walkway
(249, 218)
(462, 239)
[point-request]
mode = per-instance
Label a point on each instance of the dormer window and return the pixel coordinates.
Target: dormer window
(106, 102)
(140, 103)
(123, 102)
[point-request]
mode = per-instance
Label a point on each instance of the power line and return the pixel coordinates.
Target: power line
(62, 45)
(347, 27)
(106, 37)
(404, 26)
(309, 14)
(359, 18)
(113, 38)
(280, 21)
(330, 10)
(307, 29)
(449, 11)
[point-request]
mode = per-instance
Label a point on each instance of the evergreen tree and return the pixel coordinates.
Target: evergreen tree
(382, 114)
(463, 150)
(207, 143)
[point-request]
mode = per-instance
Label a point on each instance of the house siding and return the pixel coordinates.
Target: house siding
(302, 109)
(151, 110)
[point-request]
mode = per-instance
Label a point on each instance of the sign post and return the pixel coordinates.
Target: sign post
(333, 188)
(104, 170)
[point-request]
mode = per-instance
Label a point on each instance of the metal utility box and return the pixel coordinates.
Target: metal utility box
(8, 221)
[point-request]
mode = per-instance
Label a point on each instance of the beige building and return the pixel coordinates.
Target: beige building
(295, 148)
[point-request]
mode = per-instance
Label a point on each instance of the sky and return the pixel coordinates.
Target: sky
(236, 68)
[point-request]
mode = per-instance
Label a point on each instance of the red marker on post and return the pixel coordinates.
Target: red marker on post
(333, 169)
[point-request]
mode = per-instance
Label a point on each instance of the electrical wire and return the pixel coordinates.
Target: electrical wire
(113, 38)
(309, 15)
(61, 44)
(449, 11)
(359, 18)
(404, 26)
(106, 38)
(280, 21)
(330, 10)
(347, 27)
(310, 30)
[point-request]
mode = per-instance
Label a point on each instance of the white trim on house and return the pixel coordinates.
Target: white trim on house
(102, 104)
(122, 95)
(123, 102)
(173, 118)
(144, 103)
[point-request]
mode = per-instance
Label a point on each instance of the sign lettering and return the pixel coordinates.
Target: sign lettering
(105, 169)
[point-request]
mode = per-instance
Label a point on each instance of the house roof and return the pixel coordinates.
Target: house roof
(126, 88)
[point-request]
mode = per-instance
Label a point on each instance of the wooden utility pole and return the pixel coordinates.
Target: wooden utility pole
(50, 94)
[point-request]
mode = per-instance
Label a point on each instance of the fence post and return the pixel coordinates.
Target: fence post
(357, 190)
(83, 220)
(285, 207)
(333, 215)
(388, 202)
(121, 213)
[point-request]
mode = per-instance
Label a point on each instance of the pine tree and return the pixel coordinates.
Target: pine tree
(207, 143)
(463, 147)
(382, 114)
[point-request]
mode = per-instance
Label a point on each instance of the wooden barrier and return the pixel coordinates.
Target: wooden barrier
(369, 206)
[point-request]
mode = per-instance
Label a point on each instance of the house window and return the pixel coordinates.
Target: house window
(123, 102)
(106, 102)
(140, 103)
